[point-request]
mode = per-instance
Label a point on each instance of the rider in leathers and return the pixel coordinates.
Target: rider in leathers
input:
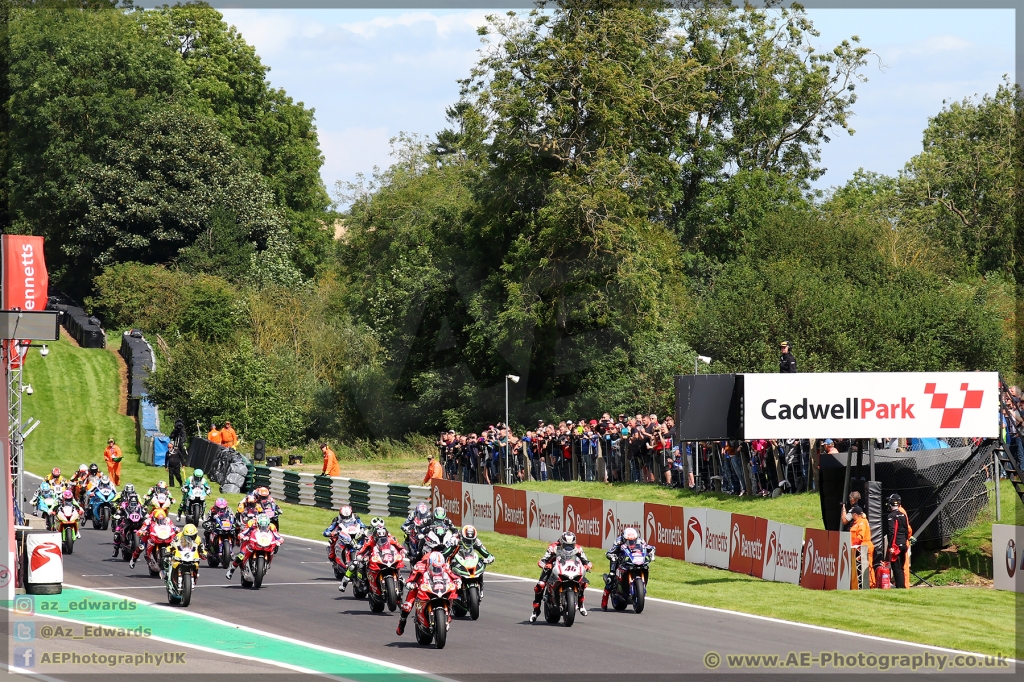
(157, 518)
(345, 518)
(379, 538)
(196, 481)
(547, 562)
(260, 523)
(127, 498)
(433, 563)
(627, 540)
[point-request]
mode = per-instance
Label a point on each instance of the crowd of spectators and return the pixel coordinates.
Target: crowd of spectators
(1011, 419)
(641, 449)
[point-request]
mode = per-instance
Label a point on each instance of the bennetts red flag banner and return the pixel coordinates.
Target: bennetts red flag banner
(25, 285)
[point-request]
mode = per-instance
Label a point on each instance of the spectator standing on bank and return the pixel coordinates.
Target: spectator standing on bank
(112, 455)
(897, 530)
(434, 470)
(174, 460)
(787, 363)
(331, 466)
(228, 436)
(214, 435)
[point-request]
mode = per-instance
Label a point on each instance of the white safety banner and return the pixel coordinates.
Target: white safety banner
(871, 405)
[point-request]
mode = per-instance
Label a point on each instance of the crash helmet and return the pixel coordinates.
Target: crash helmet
(104, 480)
(262, 522)
(197, 474)
(250, 499)
(380, 535)
(377, 522)
(630, 537)
(440, 514)
(894, 501)
(189, 535)
(44, 487)
(83, 468)
(94, 469)
(159, 515)
(568, 541)
(129, 488)
(161, 484)
(345, 512)
(55, 472)
(263, 492)
(422, 510)
(68, 495)
(468, 535)
(436, 563)
(221, 503)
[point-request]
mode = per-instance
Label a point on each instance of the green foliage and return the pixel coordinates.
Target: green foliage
(830, 288)
(223, 248)
(128, 127)
(963, 188)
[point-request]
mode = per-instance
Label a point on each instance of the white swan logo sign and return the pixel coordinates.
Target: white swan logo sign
(869, 404)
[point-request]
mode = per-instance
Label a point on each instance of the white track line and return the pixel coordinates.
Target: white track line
(290, 640)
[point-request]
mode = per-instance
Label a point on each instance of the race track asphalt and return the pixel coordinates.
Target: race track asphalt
(300, 599)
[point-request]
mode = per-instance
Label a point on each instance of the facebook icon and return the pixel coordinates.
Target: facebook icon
(24, 657)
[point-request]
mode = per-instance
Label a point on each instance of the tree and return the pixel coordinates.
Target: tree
(154, 190)
(962, 188)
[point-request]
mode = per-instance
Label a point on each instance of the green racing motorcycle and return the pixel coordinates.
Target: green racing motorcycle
(468, 565)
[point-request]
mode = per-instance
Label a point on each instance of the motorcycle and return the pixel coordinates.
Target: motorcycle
(129, 541)
(432, 614)
(67, 520)
(629, 584)
(432, 541)
(347, 542)
(160, 537)
(384, 580)
(181, 571)
(160, 501)
(273, 513)
(258, 564)
(413, 545)
(467, 565)
(220, 543)
(195, 506)
(47, 508)
(102, 508)
(564, 588)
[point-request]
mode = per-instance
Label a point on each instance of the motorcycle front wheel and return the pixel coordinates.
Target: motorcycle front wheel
(258, 571)
(639, 592)
(569, 607)
(186, 588)
(473, 601)
(391, 592)
(105, 518)
(440, 627)
(69, 540)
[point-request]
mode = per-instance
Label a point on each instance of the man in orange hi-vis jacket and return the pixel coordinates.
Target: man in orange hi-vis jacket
(214, 435)
(331, 466)
(228, 436)
(112, 455)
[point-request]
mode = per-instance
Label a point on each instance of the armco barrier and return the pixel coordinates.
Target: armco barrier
(365, 497)
(743, 544)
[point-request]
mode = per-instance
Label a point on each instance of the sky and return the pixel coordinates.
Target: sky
(371, 74)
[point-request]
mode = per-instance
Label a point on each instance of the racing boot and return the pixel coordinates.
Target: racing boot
(117, 549)
(230, 572)
(344, 586)
(131, 562)
(604, 600)
(401, 623)
(536, 612)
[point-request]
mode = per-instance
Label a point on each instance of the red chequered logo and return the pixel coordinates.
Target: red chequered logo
(952, 416)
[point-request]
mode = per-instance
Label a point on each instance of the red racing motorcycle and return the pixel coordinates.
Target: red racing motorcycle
(383, 578)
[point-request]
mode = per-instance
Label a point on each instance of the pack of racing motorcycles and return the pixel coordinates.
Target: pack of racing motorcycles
(446, 563)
